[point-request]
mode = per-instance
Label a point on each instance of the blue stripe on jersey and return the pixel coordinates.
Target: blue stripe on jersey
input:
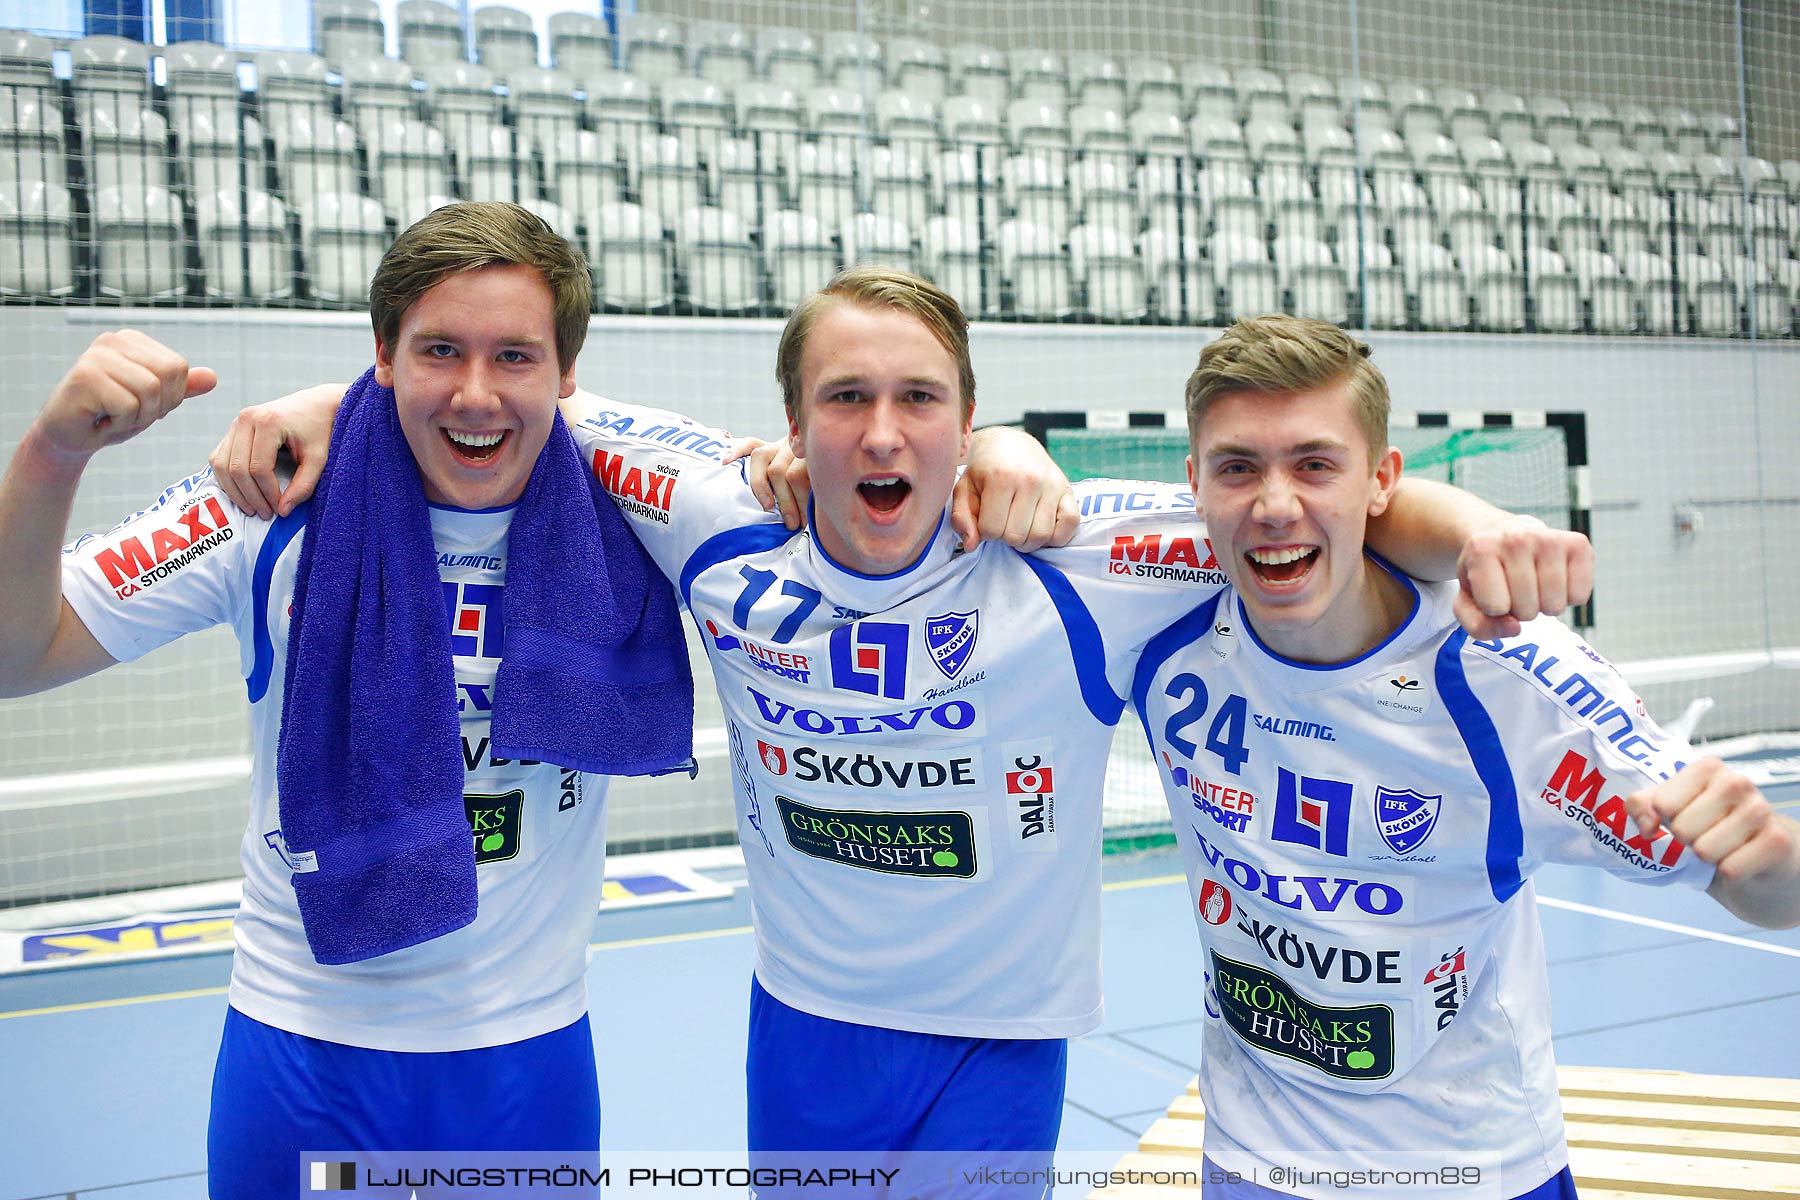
(281, 532)
(1085, 642)
(733, 543)
(1161, 648)
(1506, 836)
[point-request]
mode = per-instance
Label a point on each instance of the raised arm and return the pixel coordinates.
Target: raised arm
(121, 385)
(1511, 567)
(1723, 817)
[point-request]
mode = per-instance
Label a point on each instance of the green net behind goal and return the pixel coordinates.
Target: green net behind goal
(1524, 470)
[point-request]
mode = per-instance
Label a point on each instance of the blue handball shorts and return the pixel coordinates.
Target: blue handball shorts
(870, 1093)
(1557, 1187)
(276, 1094)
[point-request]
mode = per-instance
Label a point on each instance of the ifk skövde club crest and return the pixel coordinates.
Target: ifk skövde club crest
(950, 639)
(1405, 817)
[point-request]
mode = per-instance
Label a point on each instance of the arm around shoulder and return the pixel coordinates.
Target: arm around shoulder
(1510, 567)
(1013, 492)
(244, 461)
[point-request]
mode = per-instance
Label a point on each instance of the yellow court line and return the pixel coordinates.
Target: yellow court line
(1155, 881)
(666, 938)
(86, 1005)
(623, 944)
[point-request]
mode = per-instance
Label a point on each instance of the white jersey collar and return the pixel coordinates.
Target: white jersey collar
(1431, 612)
(874, 593)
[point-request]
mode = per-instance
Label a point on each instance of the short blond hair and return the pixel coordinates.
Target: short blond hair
(463, 237)
(1283, 355)
(877, 288)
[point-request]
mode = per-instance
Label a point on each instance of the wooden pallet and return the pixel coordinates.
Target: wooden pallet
(1632, 1135)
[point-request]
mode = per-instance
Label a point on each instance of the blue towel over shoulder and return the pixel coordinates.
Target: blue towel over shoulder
(595, 678)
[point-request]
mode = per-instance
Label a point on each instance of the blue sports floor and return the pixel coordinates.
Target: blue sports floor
(105, 1070)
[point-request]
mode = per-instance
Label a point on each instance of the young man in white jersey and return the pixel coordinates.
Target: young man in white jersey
(918, 728)
(1362, 792)
(416, 980)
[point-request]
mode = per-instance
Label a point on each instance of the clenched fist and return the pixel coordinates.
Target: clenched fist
(121, 385)
(1727, 821)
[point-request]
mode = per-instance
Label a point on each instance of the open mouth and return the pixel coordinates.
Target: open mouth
(475, 447)
(1285, 566)
(884, 495)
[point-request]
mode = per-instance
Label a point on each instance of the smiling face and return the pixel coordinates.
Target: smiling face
(1287, 488)
(881, 424)
(476, 380)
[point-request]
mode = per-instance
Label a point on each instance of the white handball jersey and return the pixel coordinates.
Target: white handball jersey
(193, 560)
(1359, 842)
(917, 759)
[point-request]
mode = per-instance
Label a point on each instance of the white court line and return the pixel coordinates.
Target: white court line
(1667, 926)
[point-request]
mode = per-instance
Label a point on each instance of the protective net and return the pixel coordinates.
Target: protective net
(1523, 206)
